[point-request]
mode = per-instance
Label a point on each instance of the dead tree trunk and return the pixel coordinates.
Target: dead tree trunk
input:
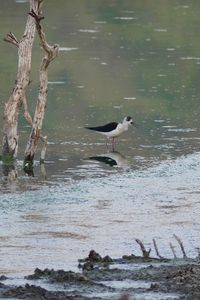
(17, 98)
(50, 54)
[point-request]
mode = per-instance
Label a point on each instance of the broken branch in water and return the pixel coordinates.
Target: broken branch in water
(181, 245)
(156, 249)
(50, 54)
(173, 251)
(145, 253)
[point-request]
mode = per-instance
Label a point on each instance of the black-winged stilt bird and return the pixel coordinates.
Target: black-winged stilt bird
(113, 129)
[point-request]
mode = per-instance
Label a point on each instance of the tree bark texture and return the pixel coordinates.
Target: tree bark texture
(11, 111)
(50, 54)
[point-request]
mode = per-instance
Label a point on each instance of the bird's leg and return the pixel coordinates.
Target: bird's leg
(107, 143)
(113, 144)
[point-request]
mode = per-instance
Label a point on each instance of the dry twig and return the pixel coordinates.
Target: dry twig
(145, 253)
(11, 38)
(173, 251)
(156, 249)
(181, 245)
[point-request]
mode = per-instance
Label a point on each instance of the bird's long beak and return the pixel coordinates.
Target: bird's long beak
(134, 124)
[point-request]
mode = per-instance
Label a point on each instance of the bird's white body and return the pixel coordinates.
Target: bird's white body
(121, 127)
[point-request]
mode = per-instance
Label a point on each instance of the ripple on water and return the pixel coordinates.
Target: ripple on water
(76, 216)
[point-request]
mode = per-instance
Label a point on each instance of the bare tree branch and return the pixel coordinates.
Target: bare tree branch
(50, 54)
(11, 38)
(26, 112)
(52, 51)
(11, 111)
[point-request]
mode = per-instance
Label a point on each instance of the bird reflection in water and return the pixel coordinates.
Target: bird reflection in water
(113, 159)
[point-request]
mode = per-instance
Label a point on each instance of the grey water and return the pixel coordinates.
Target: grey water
(123, 58)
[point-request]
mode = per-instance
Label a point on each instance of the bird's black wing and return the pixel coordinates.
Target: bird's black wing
(105, 128)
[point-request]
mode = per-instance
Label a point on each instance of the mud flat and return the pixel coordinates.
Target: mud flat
(129, 277)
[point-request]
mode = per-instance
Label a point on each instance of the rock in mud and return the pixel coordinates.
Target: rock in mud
(176, 278)
(58, 276)
(33, 292)
(94, 260)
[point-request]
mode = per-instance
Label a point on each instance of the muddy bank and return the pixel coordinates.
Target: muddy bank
(140, 277)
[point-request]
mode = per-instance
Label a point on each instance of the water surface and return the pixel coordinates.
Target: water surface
(119, 58)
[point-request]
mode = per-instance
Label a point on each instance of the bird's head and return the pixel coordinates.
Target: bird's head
(128, 120)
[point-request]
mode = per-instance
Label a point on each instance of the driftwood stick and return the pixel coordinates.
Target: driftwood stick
(156, 249)
(181, 245)
(173, 251)
(145, 253)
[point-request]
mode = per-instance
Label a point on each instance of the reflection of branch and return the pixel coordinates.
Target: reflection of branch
(42, 157)
(9, 172)
(43, 170)
(44, 148)
(11, 38)
(124, 297)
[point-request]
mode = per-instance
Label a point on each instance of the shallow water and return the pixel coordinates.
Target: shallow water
(55, 225)
(134, 58)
